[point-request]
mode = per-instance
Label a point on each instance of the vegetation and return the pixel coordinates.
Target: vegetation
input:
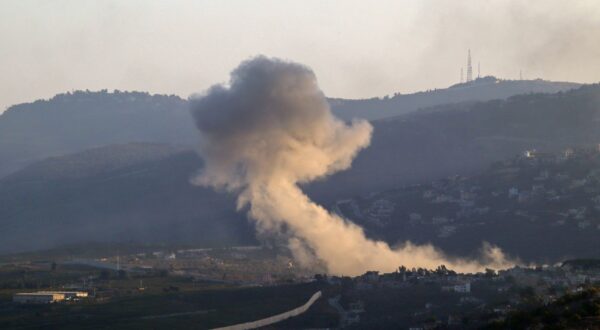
(549, 197)
(173, 301)
(572, 311)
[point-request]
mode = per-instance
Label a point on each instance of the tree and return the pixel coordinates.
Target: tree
(441, 270)
(320, 277)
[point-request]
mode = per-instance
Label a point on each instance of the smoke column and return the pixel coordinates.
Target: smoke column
(270, 129)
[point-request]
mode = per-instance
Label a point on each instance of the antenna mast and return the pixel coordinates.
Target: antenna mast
(469, 68)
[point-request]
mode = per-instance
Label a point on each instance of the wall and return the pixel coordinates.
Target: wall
(275, 318)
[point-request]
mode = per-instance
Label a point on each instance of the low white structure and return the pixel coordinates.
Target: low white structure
(38, 297)
(460, 288)
(463, 288)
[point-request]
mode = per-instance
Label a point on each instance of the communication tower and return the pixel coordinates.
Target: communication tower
(469, 68)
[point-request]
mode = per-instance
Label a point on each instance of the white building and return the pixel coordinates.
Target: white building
(463, 288)
(460, 288)
(38, 297)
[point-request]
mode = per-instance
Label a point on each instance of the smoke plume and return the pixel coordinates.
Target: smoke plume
(271, 129)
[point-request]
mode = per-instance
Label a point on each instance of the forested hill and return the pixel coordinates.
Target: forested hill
(466, 138)
(76, 121)
(481, 89)
(139, 193)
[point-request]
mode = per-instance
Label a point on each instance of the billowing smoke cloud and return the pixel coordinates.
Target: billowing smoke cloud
(270, 130)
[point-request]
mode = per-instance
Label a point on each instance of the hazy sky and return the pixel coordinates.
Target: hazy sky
(356, 48)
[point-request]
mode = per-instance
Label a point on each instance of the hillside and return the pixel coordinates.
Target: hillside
(481, 89)
(466, 138)
(73, 122)
(579, 310)
(539, 207)
(94, 161)
(141, 194)
(77, 121)
(142, 191)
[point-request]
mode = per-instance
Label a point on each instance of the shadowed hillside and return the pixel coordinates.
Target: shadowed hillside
(466, 138)
(544, 207)
(77, 121)
(143, 197)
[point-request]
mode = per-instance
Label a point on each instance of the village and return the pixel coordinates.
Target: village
(442, 298)
(415, 298)
(544, 194)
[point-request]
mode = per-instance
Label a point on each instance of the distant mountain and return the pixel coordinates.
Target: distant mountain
(481, 89)
(80, 120)
(77, 121)
(123, 193)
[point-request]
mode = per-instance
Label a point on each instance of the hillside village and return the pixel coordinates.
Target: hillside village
(441, 298)
(540, 192)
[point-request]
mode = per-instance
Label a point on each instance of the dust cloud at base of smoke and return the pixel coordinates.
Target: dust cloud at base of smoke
(342, 244)
(269, 130)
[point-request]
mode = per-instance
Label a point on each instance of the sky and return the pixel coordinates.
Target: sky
(357, 49)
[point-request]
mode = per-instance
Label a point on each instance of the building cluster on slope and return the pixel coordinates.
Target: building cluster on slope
(554, 189)
(488, 294)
